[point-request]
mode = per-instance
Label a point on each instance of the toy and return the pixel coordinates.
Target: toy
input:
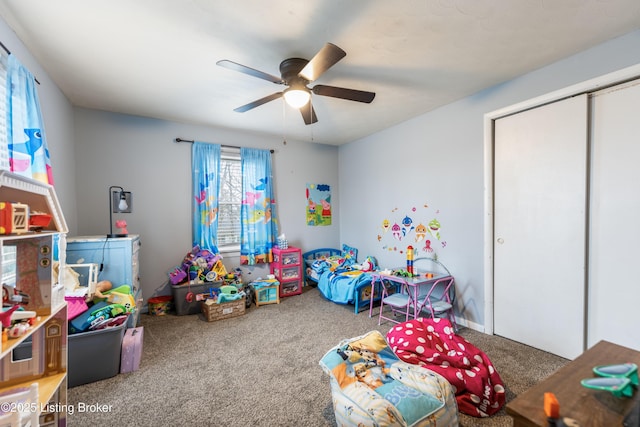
(122, 225)
(198, 266)
(552, 411)
(18, 329)
(121, 295)
(177, 275)
(620, 379)
(22, 322)
(410, 260)
(10, 296)
(110, 311)
(250, 295)
(401, 272)
(196, 274)
(628, 370)
(39, 220)
(368, 264)
(14, 218)
(5, 316)
(101, 287)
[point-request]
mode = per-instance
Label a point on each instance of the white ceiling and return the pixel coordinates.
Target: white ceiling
(157, 58)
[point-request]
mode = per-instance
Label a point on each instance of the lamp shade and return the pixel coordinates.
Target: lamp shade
(120, 201)
(297, 97)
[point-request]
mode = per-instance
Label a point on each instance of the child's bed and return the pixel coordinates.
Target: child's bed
(333, 271)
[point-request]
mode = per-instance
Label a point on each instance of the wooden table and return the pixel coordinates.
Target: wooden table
(588, 407)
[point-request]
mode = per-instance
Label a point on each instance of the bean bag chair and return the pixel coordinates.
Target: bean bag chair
(433, 344)
(370, 386)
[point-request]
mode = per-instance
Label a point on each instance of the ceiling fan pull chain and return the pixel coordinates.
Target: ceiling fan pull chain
(284, 130)
(311, 127)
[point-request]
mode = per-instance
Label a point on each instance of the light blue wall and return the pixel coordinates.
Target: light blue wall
(437, 159)
(139, 155)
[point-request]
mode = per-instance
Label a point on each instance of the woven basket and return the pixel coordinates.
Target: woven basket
(225, 310)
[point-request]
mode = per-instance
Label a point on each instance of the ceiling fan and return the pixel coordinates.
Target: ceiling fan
(297, 73)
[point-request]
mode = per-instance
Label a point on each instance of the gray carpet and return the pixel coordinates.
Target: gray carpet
(261, 369)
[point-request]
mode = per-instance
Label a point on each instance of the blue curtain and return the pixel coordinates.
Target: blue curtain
(28, 151)
(258, 211)
(205, 164)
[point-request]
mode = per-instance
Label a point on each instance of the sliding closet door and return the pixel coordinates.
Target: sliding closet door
(614, 250)
(540, 162)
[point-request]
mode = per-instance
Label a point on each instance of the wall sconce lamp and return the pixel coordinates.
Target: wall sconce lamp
(120, 201)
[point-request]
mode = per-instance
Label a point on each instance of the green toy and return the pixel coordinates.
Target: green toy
(619, 379)
(619, 386)
(628, 370)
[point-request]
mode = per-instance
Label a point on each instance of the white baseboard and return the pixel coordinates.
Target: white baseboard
(471, 325)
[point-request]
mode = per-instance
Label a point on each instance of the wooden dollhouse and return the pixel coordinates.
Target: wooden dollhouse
(33, 361)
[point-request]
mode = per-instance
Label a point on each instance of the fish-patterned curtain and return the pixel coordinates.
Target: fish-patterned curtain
(205, 164)
(28, 151)
(259, 226)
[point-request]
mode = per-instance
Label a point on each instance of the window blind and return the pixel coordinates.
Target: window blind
(230, 200)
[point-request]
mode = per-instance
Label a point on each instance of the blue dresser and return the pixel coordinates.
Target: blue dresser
(118, 258)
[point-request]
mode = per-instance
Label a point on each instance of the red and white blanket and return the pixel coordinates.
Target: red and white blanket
(435, 345)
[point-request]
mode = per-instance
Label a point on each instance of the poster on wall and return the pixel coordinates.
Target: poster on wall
(318, 204)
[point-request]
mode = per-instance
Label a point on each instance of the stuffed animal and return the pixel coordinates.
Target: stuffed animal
(368, 265)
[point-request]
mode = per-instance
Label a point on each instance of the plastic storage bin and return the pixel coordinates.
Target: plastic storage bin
(191, 305)
(94, 355)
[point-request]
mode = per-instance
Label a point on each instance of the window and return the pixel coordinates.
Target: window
(4, 144)
(230, 201)
(9, 269)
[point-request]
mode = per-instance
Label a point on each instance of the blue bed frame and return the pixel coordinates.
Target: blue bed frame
(362, 292)
(309, 257)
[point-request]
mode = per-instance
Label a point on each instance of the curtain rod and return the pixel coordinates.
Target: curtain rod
(191, 141)
(9, 53)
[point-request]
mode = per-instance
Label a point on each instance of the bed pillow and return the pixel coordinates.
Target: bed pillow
(349, 251)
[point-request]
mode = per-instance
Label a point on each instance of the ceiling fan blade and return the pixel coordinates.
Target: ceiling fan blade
(343, 93)
(326, 58)
(258, 102)
(248, 70)
(308, 114)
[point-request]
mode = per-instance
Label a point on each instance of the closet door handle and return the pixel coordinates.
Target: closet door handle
(500, 240)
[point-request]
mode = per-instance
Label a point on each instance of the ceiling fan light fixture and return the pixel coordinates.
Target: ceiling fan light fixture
(296, 96)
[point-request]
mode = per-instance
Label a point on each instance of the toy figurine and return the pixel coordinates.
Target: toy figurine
(410, 260)
(122, 225)
(5, 316)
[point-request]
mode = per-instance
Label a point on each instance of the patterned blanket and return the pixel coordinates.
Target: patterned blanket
(434, 344)
(370, 386)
